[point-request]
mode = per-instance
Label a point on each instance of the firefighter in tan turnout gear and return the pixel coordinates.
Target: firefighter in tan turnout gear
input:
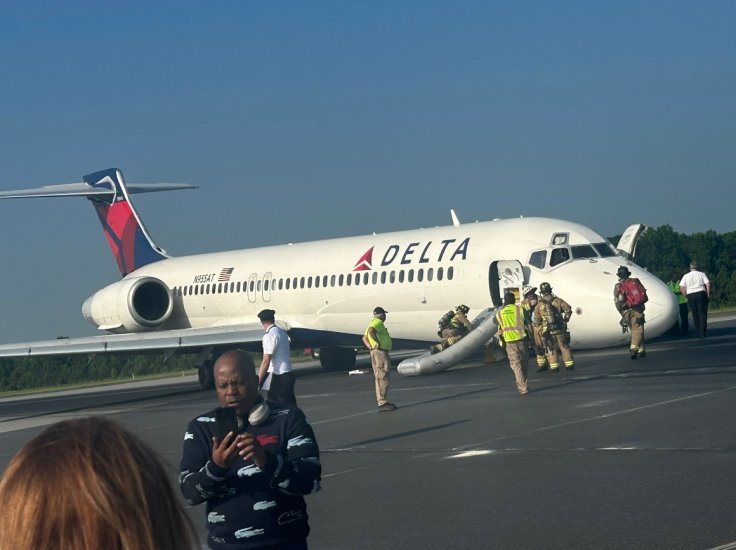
(529, 303)
(452, 327)
(550, 318)
(630, 296)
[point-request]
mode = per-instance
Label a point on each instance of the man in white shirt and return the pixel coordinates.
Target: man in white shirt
(696, 287)
(276, 361)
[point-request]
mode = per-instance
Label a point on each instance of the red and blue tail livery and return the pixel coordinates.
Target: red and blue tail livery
(128, 239)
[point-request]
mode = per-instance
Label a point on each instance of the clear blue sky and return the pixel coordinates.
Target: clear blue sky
(309, 120)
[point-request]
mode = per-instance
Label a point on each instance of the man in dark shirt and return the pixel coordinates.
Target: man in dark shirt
(251, 462)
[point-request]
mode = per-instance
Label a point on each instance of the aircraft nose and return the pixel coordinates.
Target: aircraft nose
(662, 308)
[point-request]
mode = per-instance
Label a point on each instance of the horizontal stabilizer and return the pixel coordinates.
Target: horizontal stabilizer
(83, 189)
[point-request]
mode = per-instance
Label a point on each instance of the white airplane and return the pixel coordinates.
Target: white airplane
(324, 292)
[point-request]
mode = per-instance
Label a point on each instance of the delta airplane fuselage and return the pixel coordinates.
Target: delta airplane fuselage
(332, 286)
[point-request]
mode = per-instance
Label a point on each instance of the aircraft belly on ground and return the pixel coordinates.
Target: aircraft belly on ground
(326, 290)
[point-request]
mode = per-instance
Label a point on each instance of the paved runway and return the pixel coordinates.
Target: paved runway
(615, 454)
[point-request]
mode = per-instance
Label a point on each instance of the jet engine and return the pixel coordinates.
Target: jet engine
(138, 304)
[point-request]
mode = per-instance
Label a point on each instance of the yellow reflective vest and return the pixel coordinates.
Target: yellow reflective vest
(511, 323)
(675, 287)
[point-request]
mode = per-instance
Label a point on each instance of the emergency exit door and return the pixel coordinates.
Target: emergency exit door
(504, 275)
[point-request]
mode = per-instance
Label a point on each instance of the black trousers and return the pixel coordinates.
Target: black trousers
(698, 302)
(282, 388)
(683, 319)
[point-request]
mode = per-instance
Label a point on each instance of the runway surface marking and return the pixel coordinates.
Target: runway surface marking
(597, 417)
(478, 448)
(39, 421)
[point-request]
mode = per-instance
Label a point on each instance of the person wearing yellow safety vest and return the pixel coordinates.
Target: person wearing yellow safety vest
(378, 340)
(512, 328)
(550, 318)
(529, 302)
(674, 285)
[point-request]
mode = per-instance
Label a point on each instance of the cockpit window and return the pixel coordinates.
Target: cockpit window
(559, 255)
(559, 239)
(583, 251)
(538, 258)
(605, 250)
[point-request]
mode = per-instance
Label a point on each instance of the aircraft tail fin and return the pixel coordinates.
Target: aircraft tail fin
(130, 242)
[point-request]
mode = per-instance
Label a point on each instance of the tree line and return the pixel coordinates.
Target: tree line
(661, 250)
(49, 372)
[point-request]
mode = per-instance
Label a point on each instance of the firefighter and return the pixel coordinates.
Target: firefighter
(550, 318)
(453, 330)
(529, 303)
(629, 300)
(512, 328)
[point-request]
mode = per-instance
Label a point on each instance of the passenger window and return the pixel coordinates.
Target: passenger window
(450, 273)
(265, 285)
(559, 255)
(332, 280)
(420, 274)
(324, 280)
(316, 282)
(340, 280)
(410, 276)
(365, 278)
(349, 279)
(309, 282)
(302, 282)
(430, 273)
(401, 276)
(383, 278)
(440, 272)
(392, 277)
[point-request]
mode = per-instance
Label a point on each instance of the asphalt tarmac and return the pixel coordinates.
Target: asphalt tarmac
(615, 454)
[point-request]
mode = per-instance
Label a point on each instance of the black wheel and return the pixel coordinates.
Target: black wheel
(337, 358)
(206, 375)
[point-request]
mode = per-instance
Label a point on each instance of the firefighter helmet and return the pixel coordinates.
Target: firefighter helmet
(623, 272)
(462, 308)
(528, 290)
(545, 288)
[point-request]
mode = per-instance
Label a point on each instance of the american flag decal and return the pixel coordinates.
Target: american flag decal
(225, 274)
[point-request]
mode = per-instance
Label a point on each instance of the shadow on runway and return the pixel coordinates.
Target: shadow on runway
(354, 446)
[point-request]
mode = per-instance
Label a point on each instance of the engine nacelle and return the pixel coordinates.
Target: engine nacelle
(138, 304)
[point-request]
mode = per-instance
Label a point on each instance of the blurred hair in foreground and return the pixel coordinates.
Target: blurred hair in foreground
(90, 484)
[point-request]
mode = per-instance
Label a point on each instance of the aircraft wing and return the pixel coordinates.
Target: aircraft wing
(183, 340)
